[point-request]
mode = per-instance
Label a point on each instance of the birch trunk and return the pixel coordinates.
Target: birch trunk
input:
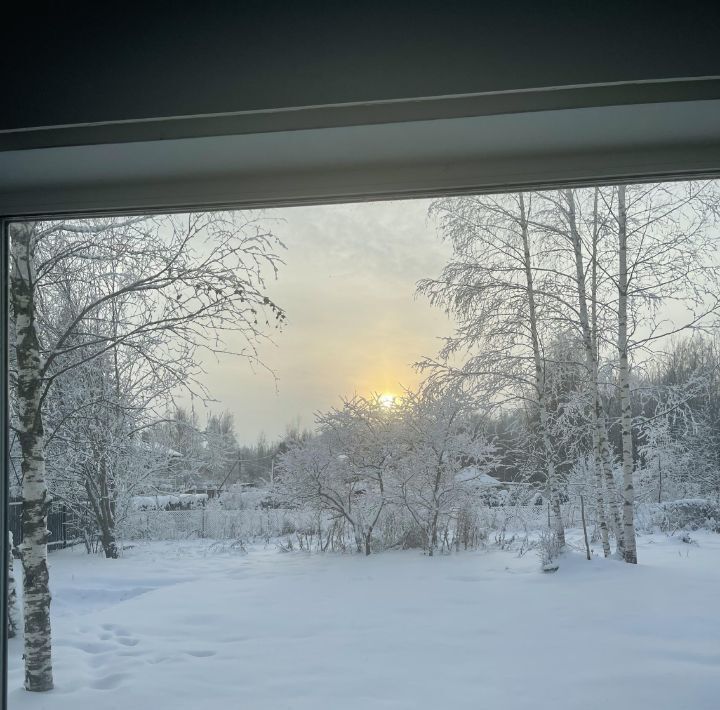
(551, 474)
(36, 501)
(600, 499)
(13, 615)
(606, 463)
(606, 466)
(630, 550)
(597, 415)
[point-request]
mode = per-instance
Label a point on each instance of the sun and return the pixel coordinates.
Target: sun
(387, 400)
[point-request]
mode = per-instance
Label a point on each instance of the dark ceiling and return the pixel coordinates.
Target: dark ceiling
(66, 63)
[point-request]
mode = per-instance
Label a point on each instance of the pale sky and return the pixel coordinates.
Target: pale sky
(353, 321)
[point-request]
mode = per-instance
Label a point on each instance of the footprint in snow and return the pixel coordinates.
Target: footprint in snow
(201, 653)
(109, 682)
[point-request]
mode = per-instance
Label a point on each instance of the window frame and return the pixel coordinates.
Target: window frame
(527, 182)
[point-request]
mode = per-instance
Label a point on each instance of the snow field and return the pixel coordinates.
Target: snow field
(197, 625)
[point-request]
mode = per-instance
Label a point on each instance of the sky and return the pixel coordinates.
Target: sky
(354, 324)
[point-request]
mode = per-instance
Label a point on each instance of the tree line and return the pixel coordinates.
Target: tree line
(584, 360)
(563, 300)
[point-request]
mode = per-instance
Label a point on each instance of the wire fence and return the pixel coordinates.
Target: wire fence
(258, 523)
(267, 523)
(59, 524)
(211, 524)
(528, 517)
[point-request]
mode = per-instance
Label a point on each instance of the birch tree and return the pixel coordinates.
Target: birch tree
(665, 258)
(498, 292)
(13, 612)
(187, 279)
(628, 462)
(563, 221)
(30, 434)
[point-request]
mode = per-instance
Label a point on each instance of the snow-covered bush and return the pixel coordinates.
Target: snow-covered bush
(395, 474)
(180, 501)
(684, 514)
(549, 549)
(242, 497)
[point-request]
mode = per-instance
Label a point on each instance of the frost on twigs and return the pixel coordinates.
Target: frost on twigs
(549, 549)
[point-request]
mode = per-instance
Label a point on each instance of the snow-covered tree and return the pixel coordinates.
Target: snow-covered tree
(575, 222)
(664, 256)
(499, 287)
(673, 438)
(347, 468)
(603, 265)
(222, 457)
(444, 460)
(181, 280)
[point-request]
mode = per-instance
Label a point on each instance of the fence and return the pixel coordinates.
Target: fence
(249, 523)
(58, 523)
(527, 517)
(217, 524)
(220, 524)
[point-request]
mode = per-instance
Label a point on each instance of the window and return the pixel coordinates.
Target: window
(363, 454)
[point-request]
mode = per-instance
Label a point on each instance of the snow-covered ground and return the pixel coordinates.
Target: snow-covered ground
(196, 625)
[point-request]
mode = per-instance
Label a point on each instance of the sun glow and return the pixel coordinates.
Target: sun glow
(387, 399)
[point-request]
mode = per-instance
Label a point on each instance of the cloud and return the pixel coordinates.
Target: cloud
(348, 287)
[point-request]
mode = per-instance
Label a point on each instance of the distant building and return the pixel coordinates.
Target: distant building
(477, 478)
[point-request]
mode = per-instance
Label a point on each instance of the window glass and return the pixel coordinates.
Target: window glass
(460, 452)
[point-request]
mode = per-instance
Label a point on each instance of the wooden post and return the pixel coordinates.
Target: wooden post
(582, 515)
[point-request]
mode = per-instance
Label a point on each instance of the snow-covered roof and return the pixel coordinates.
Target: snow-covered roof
(157, 447)
(475, 475)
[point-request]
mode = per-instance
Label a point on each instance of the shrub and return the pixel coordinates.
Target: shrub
(684, 514)
(548, 550)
